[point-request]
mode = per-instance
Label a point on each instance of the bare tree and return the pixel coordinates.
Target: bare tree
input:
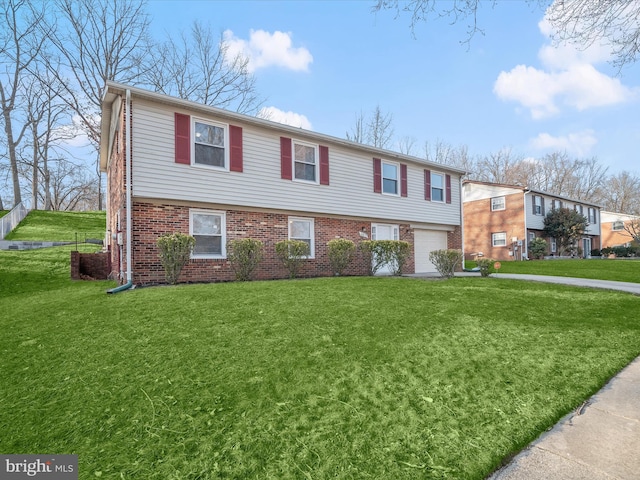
(406, 145)
(585, 22)
(622, 193)
(375, 130)
(632, 228)
(199, 67)
(581, 22)
(503, 166)
(379, 128)
(19, 48)
(96, 41)
(358, 131)
(446, 154)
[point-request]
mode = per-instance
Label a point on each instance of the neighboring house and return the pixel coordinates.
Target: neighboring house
(613, 229)
(219, 175)
(500, 220)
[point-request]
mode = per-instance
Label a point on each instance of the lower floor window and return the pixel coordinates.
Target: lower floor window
(499, 239)
(302, 229)
(208, 227)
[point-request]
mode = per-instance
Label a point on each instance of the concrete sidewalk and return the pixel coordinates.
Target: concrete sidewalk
(578, 282)
(598, 441)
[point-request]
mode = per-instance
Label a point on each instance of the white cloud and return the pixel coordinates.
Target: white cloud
(567, 78)
(578, 143)
(264, 49)
(288, 118)
(72, 134)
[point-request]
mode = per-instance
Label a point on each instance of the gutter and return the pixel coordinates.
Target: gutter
(127, 161)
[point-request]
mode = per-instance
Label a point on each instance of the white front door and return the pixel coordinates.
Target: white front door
(586, 248)
(383, 231)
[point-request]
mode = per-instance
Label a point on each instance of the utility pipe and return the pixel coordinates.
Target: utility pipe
(127, 162)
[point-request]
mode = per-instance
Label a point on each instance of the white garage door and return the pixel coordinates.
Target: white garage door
(426, 241)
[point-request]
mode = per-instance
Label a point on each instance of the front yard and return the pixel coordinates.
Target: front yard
(352, 378)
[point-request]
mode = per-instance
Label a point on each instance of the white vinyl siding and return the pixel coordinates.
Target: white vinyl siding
(157, 176)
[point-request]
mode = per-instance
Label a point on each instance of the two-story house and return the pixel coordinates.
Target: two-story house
(178, 166)
(500, 220)
(615, 228)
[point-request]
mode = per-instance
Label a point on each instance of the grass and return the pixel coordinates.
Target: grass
(3, 213)
(40, 225)
(602, 269)
(348, 378)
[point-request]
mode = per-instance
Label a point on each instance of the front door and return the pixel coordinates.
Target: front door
(382, 231)
(586, 248)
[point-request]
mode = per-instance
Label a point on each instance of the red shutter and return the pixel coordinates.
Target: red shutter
(285, 158)
(377, 175)
(183, 138)
(448, 184)
(324, 165)
(403, 180)
(427, 185)
(235, 154)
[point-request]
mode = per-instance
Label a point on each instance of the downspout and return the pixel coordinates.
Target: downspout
(127, 162)
(462, 220)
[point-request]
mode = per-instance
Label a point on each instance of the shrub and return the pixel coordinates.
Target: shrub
(244, 256)
(175, 252)
(385, 252)
(595, 252)
(341, 252)
(486, 266)
(537, 248)
(292, 253)
(445, 261)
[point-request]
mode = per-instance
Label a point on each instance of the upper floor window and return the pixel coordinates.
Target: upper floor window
(617, 225)
(390, 178)
(579, 209)
(209, 144)
(499, 239)
(305, 159)
(208, 227)
(591, 215)
(538, 205)
(437, 187)
(302, 229)
(497, 203)
(556, 204)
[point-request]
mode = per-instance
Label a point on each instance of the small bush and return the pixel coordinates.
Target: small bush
(341, 252)
(292, 253)
(385, 252)
(175, 252)
(537, 248)
(486, 266)
(244, 255)
(595, 252)
(445, 261)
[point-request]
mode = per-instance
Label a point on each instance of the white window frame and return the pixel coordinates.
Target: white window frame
(496, 207)
(591, 215)
(556, 204)
(444, 187)
(311, 222)
(397, 179)
(495, 237)
(225, 127)
(395, 228)
(579, 209)
(223, 234)
(617, 226)
(316, 173)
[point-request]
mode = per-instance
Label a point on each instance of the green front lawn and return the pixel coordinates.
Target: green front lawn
(621, 270)
(351, 378)
(3, 213)
(50, 226)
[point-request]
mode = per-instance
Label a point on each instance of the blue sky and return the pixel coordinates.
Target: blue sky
(319, 63)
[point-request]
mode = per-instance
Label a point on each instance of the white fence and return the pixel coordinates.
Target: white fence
(12, 219)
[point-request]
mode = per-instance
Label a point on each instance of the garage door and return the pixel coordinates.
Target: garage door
(426, 241)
